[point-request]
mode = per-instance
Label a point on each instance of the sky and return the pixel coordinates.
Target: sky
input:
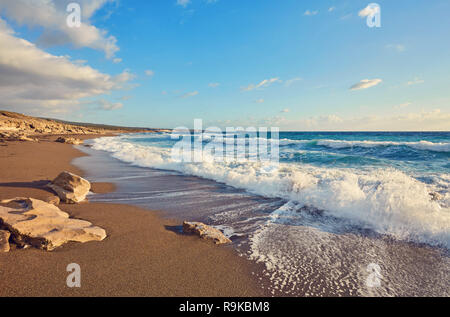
(296, 65)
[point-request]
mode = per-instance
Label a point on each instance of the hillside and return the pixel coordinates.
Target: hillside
(19, 126)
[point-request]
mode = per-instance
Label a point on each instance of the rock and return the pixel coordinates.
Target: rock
(435, 196)
(4, 241)
(69, 140)
(205, 232)
(70, 188)
(54, 200)
(14, 136)
(16, 123)
(26, 138)
(44, 225)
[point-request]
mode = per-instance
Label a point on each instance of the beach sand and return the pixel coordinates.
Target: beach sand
(143, 254)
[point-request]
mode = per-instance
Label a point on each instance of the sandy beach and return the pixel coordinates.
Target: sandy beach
(142, 255)
(198, 149)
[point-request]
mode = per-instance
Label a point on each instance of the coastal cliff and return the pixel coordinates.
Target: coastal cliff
(15, 126)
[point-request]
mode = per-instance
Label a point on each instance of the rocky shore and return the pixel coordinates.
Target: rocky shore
(20, 127)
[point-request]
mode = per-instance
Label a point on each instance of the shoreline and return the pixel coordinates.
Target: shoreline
(311, 254)
(142, 256)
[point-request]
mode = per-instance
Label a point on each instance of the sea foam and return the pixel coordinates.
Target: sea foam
(387, 200)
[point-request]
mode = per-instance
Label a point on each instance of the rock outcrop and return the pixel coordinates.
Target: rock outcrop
(205, 232)
(15, 136)
(70, 188)
(4, 241)
(44, 225)
(436, 196)
(69, 140)
(16, 126)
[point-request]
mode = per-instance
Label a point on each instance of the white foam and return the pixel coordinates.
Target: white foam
(421, 145)
(385, 200)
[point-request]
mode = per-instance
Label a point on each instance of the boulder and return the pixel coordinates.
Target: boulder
(54, 200)
(4, 241)
(70, 188)
(205, 232)
(436, 196)
(69, 140)
(44, 225)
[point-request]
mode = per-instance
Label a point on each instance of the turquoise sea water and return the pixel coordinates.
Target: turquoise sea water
(334, 204)
(394, 183)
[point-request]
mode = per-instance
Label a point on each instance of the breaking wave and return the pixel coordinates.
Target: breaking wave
(386, 200)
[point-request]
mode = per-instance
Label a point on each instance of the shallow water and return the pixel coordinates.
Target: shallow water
(302, 250)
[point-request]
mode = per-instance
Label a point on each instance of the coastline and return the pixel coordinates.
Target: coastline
(300, 253)
(142, 255)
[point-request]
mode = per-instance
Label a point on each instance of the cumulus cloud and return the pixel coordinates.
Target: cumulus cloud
(32, 79)
(51, 15)
(262, 84)
(370, 10)
(366, 83)
(331, 9)
(189, 94)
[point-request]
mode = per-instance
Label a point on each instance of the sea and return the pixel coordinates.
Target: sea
(339, 214)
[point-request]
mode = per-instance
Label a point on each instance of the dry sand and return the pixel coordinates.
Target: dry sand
(142, 255)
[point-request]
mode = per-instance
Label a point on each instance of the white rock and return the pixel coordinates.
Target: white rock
(44, 225)
(70, 188)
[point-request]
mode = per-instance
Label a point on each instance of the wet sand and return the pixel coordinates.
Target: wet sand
(143, 255)
(300, 252)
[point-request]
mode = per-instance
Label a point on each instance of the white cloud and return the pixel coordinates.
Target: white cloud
(403, 105)
(34, 80)
(189, 94)
(261, 100)
(331, 9)
(117, 60)
(366, 83)
(397, 47)
(285, 110)
(149, 73)
(51, 15)
(369, 11)
(213, 85)
(183, 3)
(291, 81)
(416, 81)
(262, 84)
(108, 105)
(434, 120)
(309, 13)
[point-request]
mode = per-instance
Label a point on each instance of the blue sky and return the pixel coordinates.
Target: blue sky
(285, 63)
